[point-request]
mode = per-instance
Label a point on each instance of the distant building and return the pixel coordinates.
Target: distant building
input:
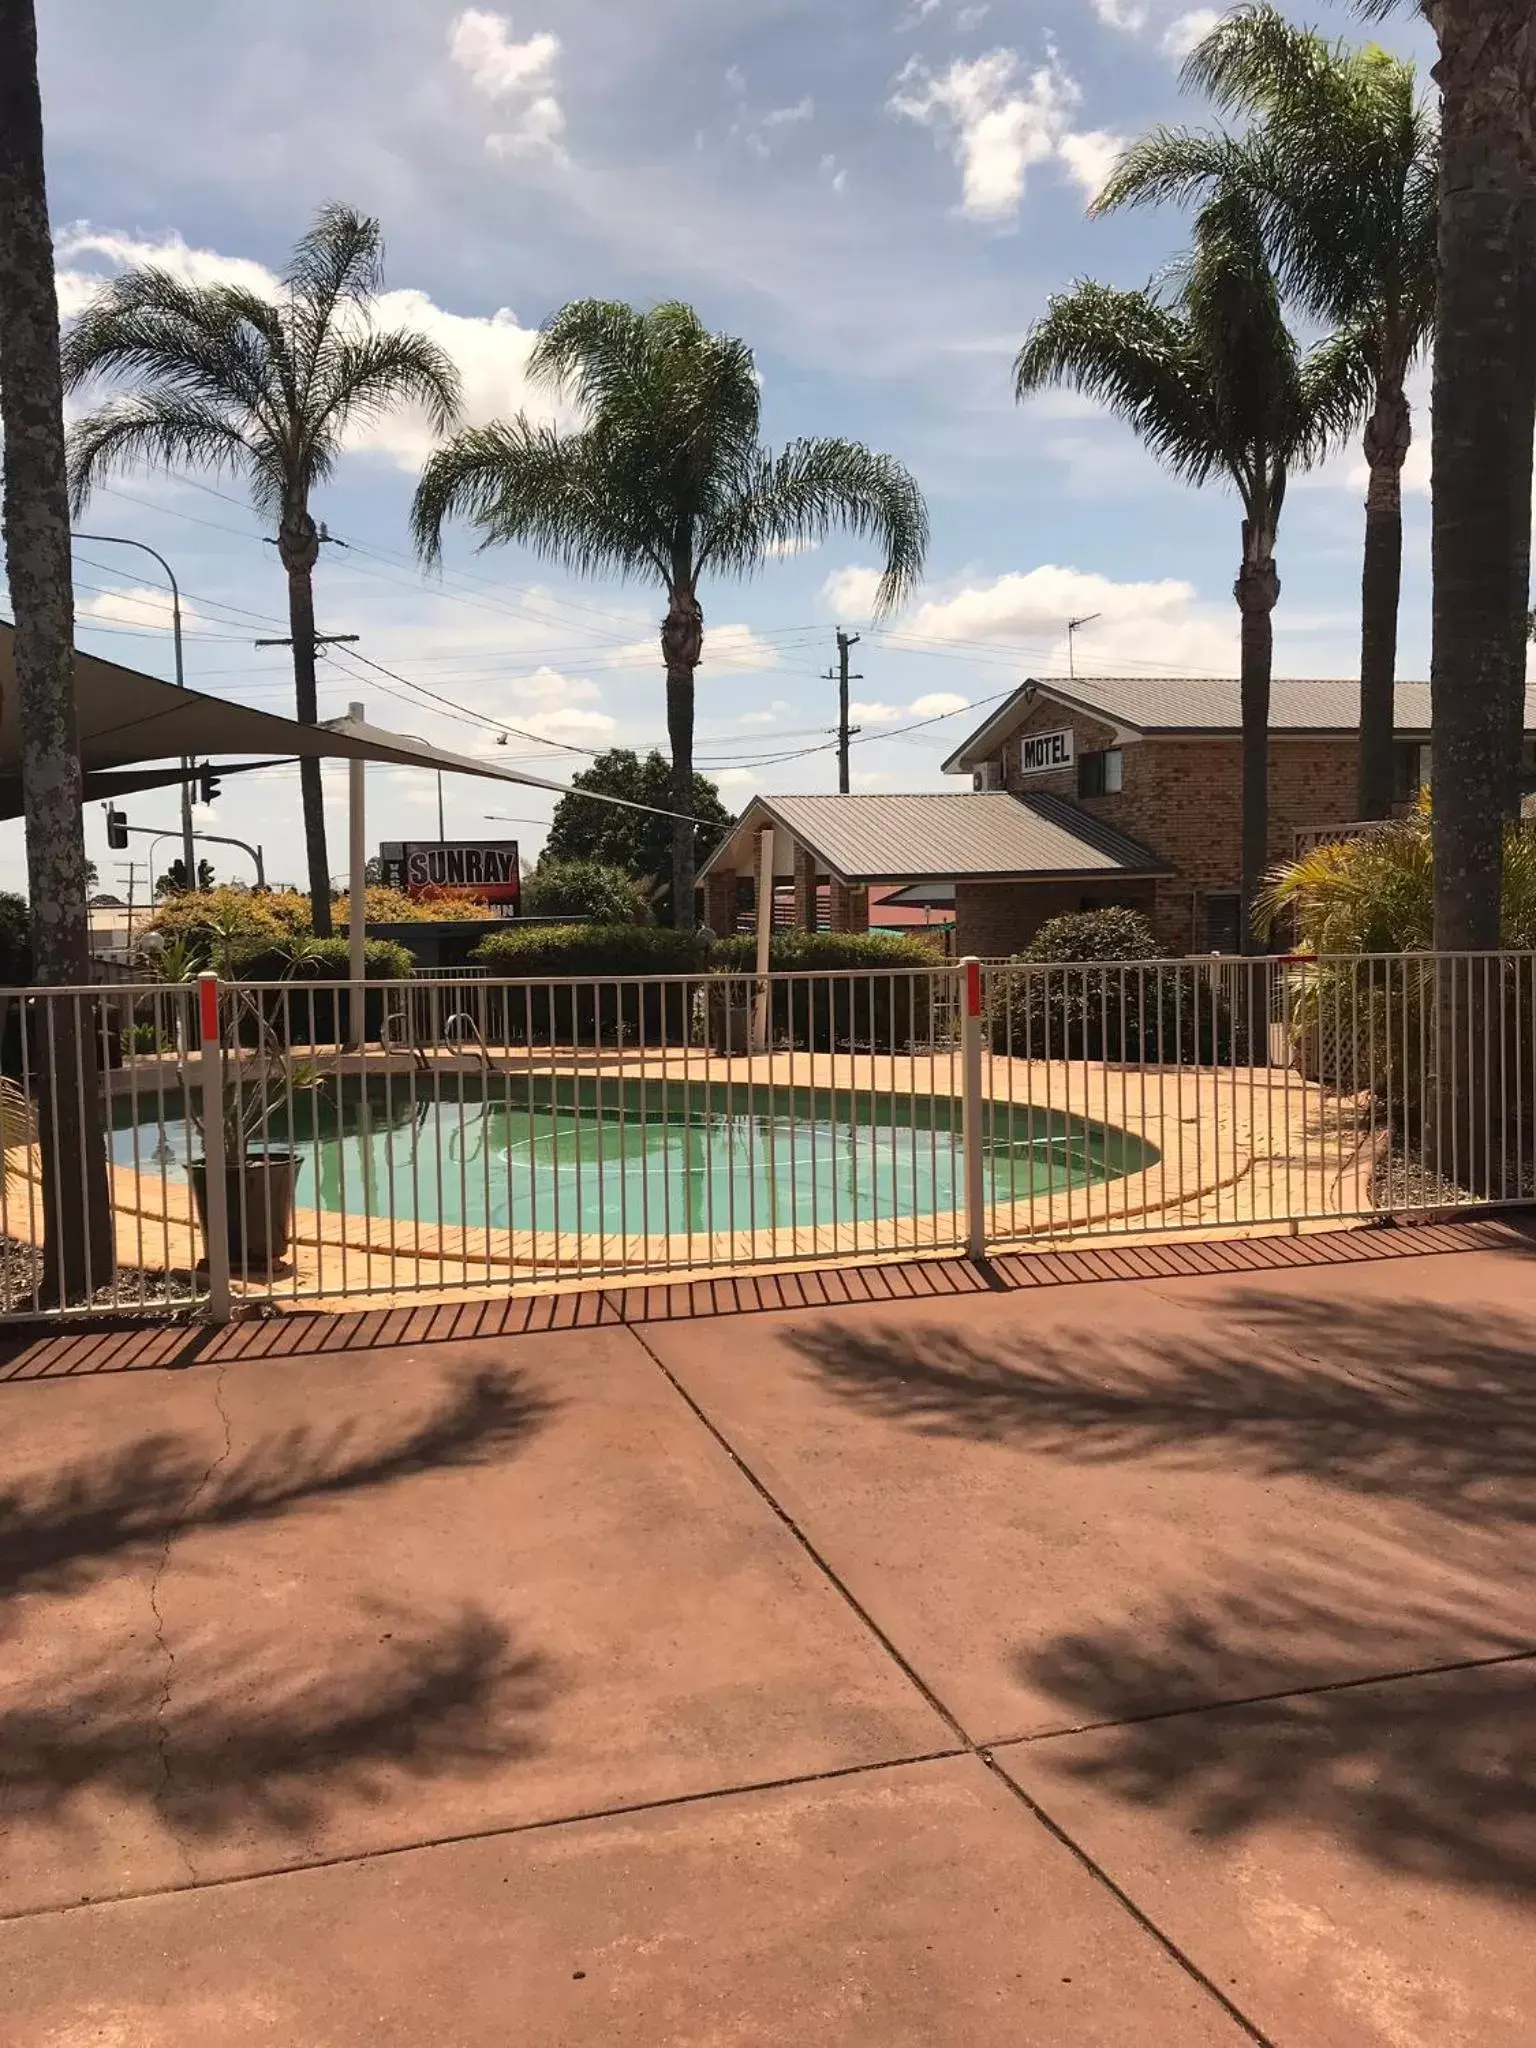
(1120, 790)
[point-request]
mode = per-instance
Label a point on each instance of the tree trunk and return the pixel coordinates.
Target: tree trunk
(1257, 591)
(78, 1246)
(682, 643)
(1483, 403)
(299, 545)
(1387, 438)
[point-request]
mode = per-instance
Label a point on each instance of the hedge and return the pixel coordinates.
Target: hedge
(597, 1007)
(304, 1014)
(884, 1011)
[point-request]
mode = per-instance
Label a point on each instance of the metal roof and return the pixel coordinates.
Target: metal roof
(974, 836)
(1205, 705)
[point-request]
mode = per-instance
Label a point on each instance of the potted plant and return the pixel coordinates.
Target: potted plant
(258, 1176)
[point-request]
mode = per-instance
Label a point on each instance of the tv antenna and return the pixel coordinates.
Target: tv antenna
(1072, 625)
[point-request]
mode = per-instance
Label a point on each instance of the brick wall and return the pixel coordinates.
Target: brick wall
(1182, 797)
(994, 919)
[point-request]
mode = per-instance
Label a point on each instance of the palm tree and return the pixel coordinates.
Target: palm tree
(1483, 416)
(1344, 166)
(78, 1253)
(264, 389)
(1212, 380)
(665, 479)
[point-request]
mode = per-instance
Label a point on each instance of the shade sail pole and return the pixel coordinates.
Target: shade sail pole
(357, 918)
(760, 1014)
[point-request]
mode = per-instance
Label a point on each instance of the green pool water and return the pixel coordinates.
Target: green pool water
(600, 1155)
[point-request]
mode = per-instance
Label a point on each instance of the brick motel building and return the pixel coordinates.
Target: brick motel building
(1082, 794)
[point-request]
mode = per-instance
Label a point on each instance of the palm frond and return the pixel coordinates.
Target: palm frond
(1254, 59)
(652, 374)
(811, 489)
(1139, 358)
(210, 342)
(556, 493)
(1174, 165)
(163, 430)
(1336, 387)
(361, 376)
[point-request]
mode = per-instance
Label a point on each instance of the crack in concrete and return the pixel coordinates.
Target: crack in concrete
(162, 1643)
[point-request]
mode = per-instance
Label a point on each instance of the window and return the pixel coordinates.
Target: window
(1224, 921)
(1101, 773)
(1410, 770)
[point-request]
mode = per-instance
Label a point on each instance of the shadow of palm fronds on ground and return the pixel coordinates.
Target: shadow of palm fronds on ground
(1409, 1400)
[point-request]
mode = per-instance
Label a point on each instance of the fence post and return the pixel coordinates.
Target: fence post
(970, 1107)
(210, 1084)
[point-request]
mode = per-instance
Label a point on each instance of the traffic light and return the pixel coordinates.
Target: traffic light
(117, 829)
(207, 784)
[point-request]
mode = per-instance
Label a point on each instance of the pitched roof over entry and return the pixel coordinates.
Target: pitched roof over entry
(974, 836)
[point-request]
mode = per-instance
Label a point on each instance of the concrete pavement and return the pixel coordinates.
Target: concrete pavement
(1114, 1661)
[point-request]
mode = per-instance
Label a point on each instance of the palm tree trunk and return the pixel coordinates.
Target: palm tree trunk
(682, 642)
(78, 1250)
(1257, 591)
(299, 546)
(1482, 412)
(1387, 438)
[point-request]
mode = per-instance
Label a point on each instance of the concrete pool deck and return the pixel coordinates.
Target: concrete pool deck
(1236, 1149)
(957, 1657)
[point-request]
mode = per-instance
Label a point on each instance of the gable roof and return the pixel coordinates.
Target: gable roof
(970, 836)
(1203, 705)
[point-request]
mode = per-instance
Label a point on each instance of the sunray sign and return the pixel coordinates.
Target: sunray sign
(485, 868)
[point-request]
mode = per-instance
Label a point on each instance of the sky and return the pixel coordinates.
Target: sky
(878, 195)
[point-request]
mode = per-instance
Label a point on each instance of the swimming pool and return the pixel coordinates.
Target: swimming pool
(600, 1155)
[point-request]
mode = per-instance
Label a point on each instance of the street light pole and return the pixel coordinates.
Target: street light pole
(116, 540)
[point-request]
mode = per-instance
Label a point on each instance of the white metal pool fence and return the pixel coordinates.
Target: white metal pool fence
(303, 1140)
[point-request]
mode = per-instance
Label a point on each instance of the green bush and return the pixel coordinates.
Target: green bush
(305, 1014)
(585, 889)
(601, 1005)
(882, 1008)
(1093, 985)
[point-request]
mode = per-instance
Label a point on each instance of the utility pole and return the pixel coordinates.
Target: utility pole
(845, 731)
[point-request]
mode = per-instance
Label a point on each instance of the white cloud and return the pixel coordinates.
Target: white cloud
(939, 704)
(1138, 625)
(852, 592)
(798, 544)
(1129, 15)
(758, 718)
(498, 68)
(1182, 34)
(734, 778)
(1001, 123)
(170, 253)
(539, 132)
(482, 47)
(788, 117)
(972, 17)
(731, 647)
(1091, 157)
(137, 605)
(875, 714)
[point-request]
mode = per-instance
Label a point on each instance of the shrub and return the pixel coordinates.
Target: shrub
(585, 889)
(599, 1006)
(1052, 1004)
(15, 941)
(305, 1014)
(393, 906)
(886, 1011)
(217, 924)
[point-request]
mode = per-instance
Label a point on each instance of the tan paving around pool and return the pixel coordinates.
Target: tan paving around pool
(1237, 1149)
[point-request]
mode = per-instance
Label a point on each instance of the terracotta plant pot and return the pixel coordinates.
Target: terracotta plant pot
(259, 1206)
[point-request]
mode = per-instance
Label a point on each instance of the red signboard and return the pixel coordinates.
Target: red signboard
(486, 869)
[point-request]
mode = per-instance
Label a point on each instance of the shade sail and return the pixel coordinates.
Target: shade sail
(126, 718)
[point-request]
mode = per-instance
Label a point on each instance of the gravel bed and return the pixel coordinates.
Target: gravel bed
(1403, 1183)
(21, 1270)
